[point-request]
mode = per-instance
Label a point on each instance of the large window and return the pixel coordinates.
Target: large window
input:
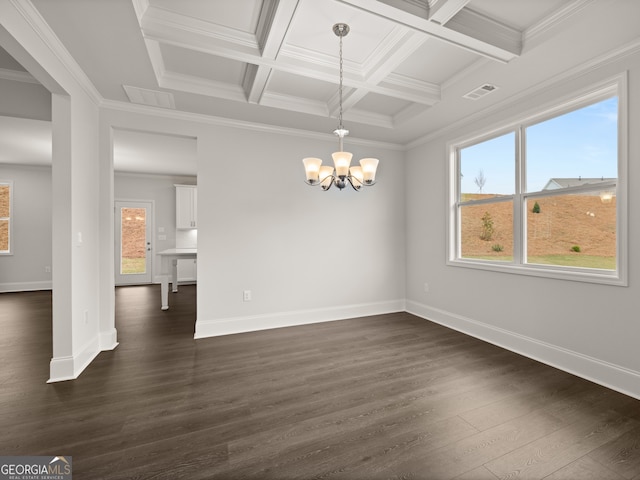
(544, 196)
(5, 217)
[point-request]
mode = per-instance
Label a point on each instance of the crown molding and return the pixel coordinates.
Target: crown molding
(538, 31)
(240, 124)
(53, 43)
(17, 76)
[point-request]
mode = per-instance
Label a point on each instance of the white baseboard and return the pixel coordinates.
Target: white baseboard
(109, 340)
(598, 371)
(70, 367)
(26, 286)
(229, 326)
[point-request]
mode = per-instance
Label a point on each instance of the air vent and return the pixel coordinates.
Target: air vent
(480, 91)
(152, 98)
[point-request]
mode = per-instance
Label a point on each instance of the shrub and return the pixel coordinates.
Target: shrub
(536, 208)
(487, 227)
(576, 248)
(497, 247)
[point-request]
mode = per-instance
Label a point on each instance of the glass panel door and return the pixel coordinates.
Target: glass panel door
(133, 243)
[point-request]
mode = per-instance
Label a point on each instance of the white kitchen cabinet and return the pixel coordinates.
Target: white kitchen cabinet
(187, 271)
(186, 207)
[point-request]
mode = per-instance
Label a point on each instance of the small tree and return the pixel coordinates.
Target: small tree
(487, 227)
(536, 208)
(480, 180)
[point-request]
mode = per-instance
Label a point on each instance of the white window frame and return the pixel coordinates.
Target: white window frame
(616, 86)
(10, 218)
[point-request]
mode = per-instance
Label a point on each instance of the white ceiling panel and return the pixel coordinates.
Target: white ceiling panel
(285, 83)
(436, 62)
(381, 104)
(194, 63)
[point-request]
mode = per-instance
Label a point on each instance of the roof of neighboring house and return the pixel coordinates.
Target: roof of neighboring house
(555, 183)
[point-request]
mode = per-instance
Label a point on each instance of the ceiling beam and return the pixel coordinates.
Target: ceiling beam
(469, 33)
(482, 28)
(441, 11)
(273, 25)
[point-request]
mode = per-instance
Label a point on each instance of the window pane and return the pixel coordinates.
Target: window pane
(574, 149)
(487, 169)
(4, 235)
(133, 241)
(4, 201)
(572, 230)
(487, 231)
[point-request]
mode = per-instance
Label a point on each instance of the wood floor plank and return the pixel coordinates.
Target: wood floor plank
(551, 453)
(585, 468)
(479, 473)
(386, 396)
(621, 454)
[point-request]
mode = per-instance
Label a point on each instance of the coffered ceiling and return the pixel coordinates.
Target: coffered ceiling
(411, 67)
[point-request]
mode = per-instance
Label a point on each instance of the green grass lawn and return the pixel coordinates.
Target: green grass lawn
(568, 260)
(132, 266)
(576, 260)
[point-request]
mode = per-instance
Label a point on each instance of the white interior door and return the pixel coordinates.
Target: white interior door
(134, 249)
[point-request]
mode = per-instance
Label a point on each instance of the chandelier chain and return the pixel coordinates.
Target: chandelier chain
(340, 90)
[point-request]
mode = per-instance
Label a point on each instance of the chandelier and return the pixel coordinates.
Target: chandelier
(341, 173)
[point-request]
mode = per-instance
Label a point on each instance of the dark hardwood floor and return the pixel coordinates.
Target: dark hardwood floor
(390, 396)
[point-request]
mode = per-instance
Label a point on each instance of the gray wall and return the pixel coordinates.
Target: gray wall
(26, 268)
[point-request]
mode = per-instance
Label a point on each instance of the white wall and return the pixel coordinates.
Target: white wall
(588, 329)
(306, 255)
(25, 269)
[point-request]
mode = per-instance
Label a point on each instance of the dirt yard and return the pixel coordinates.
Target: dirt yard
(133, 233)
(4, 212)
(563, 221)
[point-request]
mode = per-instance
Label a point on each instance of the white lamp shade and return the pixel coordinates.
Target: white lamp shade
(369, 167)
(342, 160)
(357, 177)
(326, 176)
(312, 168)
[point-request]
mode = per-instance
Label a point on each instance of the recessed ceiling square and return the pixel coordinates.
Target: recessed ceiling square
(202, 65)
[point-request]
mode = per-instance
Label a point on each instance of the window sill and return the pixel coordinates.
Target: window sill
(589, 275)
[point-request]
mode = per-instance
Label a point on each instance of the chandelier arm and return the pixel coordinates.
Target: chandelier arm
(315, 184)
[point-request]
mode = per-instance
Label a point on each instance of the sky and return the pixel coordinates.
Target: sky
(582, 143)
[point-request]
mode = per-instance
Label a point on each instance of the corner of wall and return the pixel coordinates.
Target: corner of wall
(70, 367)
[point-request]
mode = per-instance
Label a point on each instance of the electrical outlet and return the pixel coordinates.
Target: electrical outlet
(426, 288)
(47, 269)
(246, 295)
